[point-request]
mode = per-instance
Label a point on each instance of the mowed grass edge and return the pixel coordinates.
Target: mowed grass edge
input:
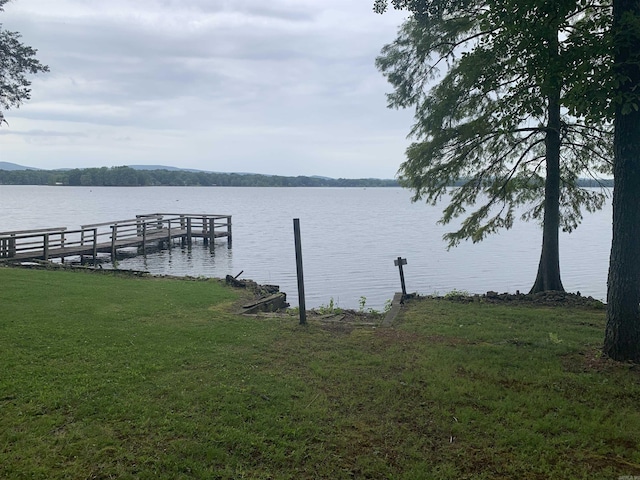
(108, 376)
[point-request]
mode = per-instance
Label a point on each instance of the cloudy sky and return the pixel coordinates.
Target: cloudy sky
(285, 87)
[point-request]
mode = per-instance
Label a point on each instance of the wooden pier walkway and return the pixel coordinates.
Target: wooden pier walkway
(109, 237)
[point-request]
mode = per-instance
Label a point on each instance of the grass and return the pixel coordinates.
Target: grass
(105, 376)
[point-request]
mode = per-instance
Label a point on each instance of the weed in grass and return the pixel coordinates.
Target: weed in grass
(387, 306)
(554, 338)
(362, 302)
(457, 294)
(330, 309)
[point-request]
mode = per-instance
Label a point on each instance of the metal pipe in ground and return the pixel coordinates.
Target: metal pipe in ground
(298, 244)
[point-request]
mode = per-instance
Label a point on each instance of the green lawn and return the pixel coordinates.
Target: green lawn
(106, 376)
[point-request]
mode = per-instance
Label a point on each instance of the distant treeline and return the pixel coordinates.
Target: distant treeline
(130, 177)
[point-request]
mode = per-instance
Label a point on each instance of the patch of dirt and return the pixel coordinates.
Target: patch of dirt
(391, 336)
(593, 360)
(344, 321)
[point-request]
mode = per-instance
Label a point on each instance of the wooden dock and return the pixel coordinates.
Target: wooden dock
(162, 229)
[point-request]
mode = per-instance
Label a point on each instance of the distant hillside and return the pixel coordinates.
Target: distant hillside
(131, 177)
(163, 167)
(157, 175)
(14, 166)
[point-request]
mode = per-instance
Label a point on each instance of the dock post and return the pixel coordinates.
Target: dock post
(12, 246)
(205, 226)
(169, 233)
(229, 232)
(212, 230)
(189, 230)
(144, 238)
(95, 246)
(114, 230)
(45, 250)
(62, 245)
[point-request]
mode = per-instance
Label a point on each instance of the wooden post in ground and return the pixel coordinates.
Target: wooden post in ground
(298, 245)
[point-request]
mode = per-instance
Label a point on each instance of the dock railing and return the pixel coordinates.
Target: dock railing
(206, 226)
(48, 242)
(131, 232)
(110, 236)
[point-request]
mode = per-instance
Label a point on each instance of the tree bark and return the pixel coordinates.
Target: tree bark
(548, 277)
(622, 333)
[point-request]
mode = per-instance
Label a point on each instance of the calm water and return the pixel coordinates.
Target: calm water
(350, 238)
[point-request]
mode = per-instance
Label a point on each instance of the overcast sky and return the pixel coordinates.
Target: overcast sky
(285, 87)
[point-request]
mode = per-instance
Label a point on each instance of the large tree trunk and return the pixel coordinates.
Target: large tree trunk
(622, 334)
(548, 277)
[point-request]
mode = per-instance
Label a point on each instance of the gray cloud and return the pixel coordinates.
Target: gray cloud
(42, 133)
(297, 78)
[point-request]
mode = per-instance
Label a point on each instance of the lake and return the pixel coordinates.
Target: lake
(350, 238)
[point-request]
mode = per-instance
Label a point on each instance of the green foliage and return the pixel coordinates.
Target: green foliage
(554, 338)
(457, 294)
(330, 309)
(362, 307)
(17, 61)
(387, 306)
(483, 78)
(361, 303)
